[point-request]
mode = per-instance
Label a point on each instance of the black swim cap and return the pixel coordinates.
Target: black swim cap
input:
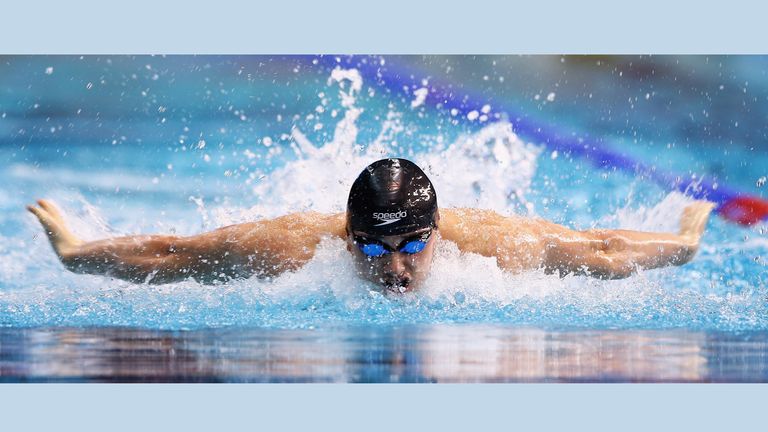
(391, 197)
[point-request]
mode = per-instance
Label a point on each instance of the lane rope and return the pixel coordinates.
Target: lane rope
(732, 205)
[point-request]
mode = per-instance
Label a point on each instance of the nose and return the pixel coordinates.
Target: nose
(396, 264)
(395, 270)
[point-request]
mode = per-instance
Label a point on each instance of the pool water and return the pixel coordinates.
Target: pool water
(129, 145)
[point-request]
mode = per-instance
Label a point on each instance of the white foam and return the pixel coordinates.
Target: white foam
(663, 216)
(491, 168)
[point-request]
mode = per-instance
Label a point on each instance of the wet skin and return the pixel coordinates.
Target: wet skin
(268, 248)
(397, 271)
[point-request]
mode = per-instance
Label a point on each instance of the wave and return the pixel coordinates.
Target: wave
(491, 168)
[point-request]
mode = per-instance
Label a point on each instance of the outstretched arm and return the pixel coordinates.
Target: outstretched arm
(521, 244)
(615, 254)
(265, 248)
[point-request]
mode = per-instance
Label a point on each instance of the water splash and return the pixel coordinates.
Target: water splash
(492, 168)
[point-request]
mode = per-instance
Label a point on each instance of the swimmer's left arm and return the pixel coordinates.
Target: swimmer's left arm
(520, 244)
(515, 242)
(615, 254)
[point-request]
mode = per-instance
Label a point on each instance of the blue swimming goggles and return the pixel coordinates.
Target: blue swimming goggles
(376, 248)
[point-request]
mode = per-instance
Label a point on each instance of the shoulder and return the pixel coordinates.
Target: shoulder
(462, 216)
(283, 242)
(307, 223)
(468, 220)
(515, 241)
(304, 224)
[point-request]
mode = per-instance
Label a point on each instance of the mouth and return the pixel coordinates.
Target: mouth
(397, 286)
(397, 289)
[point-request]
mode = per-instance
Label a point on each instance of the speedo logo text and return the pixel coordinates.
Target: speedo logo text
(388, 218)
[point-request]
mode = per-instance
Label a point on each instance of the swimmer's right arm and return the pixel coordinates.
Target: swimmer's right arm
(265, 248)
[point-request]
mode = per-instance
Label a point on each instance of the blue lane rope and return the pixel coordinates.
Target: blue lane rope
(732, 204)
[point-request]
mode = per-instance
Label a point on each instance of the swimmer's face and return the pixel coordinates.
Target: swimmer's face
(395, 271)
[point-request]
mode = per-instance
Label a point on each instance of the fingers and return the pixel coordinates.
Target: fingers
(702, 207)
(50, 208)
(53, 224)
(33, 210)
(695, 217)
(702, 210)
(38, 212)
(49, 223)
(40, 215)
(46, 210)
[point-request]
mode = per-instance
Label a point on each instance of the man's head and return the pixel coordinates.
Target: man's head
(392, 222)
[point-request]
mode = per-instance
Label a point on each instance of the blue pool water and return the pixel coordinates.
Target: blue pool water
(143, 144)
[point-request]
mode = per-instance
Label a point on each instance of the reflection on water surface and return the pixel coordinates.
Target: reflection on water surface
(436, 353)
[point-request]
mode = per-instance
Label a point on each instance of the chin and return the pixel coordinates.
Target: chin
(395, 289)
(398, 289)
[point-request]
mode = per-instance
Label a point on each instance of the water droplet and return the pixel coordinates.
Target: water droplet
(459, 297)
(761, 181)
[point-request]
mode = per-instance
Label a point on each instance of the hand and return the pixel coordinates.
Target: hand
(62, 240)
(694, 220)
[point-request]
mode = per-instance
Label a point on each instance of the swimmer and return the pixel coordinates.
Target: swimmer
(391, 227)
